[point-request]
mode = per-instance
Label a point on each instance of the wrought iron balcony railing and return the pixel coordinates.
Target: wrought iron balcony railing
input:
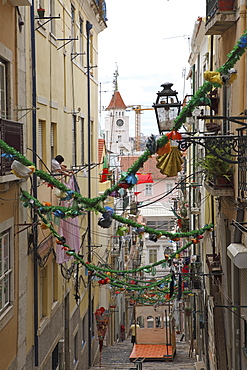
(12, 133)
(212, 6)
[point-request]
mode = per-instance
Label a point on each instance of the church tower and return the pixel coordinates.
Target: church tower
(117, 123)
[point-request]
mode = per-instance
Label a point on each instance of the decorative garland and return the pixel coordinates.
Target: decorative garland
(129, 179)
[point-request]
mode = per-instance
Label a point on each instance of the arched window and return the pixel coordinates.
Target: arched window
(140, 321)
(150, 322)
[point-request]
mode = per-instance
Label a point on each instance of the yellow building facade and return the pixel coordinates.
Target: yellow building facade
(49, 69)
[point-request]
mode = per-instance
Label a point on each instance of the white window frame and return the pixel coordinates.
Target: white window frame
(3, 91)
(148, 189)
(6, 309)
(152, 254)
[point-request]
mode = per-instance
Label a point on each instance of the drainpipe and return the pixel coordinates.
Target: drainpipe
(88, 28)
(241, 68)
(34, 215)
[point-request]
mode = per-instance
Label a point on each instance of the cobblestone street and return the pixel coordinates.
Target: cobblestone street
(117, 357)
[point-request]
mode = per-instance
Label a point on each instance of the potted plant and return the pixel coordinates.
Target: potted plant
(216, 170)
(41, 12)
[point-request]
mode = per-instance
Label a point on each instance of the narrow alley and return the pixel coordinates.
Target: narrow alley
(117, 357)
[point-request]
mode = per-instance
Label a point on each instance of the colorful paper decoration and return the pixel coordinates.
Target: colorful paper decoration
(20, 170)
(102, 319)
(144, 178)
(170, 164)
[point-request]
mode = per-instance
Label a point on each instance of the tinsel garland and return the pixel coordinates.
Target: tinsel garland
(93, 204)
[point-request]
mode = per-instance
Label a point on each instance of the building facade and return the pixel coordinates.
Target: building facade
(48, 84)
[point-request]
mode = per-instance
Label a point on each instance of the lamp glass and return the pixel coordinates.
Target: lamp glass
(166, 117)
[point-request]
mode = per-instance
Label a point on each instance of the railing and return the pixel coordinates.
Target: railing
(12, 133)
(101, 5)
(213, 5)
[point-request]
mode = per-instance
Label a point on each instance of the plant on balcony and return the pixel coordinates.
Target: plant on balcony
(216, 170)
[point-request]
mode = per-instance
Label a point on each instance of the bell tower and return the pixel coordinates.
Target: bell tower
(117, 123)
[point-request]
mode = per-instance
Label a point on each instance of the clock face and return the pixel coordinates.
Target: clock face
(120, 122)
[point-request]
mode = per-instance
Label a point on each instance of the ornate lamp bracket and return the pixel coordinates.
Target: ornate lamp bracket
(232, 146)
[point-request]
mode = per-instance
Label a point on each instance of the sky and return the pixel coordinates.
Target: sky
(149, 43)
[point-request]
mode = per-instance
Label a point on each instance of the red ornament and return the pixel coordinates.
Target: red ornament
(195, 241)
(124, 185)
(174, 135)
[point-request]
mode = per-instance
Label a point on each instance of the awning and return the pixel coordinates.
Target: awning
(238, 254)
(144, 178)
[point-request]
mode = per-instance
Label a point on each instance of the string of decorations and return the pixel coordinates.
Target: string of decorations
(127, 180)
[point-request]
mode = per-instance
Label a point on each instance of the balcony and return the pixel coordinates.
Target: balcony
(219, 189)
(220, 16)
(99, 7)
(12, 133)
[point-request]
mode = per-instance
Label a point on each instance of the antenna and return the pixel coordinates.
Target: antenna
(115, 76)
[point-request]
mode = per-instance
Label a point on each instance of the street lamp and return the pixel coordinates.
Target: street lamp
(167, 107)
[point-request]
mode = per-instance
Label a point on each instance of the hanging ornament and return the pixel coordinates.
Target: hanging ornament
(58, 213)
(60, 193)
(214, 77)
(131, 179)
(121, 230)
(108, 213)
(229, 77)
(243, 41)
(123, 185)
(174, 135)
(105, 223)
(170, 164)
(151, 144)
(21, 171)
(7, 156)
(69, 194)
(164, 149)
(115, 194)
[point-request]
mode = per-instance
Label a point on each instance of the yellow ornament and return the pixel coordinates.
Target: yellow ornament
(171, 163)
(213, 77)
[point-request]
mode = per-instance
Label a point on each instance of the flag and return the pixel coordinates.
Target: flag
(144, 178)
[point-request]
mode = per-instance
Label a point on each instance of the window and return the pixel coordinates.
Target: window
(150, 322)
(53, 139)
(64, 81)
(43, 294)
(83, 329)
(5, 269)
(3, 92)
(169, 187)
(91, 53)
(92, 143)
(54, 280)
(160, 224)
(148, 189)
(74, 147)
(152, 255)
(72, 28)
(75, 360)
(41, 143)
(119, 138)
(81, 40)
(82, 141)
(92, 318)
(54, 358)
(52, 14)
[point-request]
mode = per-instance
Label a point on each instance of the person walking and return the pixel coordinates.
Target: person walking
(133, 328)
